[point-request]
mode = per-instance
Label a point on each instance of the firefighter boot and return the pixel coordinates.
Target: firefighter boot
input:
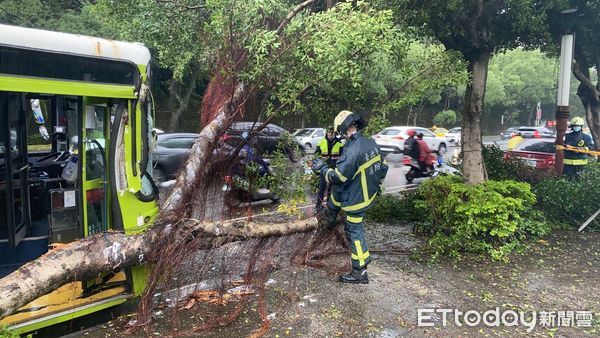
(357, 276)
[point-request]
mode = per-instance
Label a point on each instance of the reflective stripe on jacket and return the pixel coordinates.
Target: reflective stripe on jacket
(580, 140)
(359, 172)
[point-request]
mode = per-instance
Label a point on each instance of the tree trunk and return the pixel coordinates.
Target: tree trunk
(591, 106)
(589, 94)
(86, 258)
(182, 102)
(473, 167)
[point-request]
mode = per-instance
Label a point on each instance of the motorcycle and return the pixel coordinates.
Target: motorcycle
(238, 187)
(439, 169)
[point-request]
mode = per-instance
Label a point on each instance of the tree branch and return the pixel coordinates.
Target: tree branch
(584, 79)
(292, 14)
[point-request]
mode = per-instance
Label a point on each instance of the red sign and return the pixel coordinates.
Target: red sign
(551, 123)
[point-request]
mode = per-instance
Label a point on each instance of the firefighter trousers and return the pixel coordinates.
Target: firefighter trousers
(572, 171)
(355, 234)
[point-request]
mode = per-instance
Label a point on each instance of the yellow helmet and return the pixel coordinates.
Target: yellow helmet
(345, 119)
(577, 121)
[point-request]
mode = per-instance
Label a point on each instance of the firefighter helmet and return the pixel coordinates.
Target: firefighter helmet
(577, 121)
(345, 119)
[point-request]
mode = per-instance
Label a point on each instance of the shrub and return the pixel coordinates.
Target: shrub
(389, 208)
(491, 217)
(498, 168)
(570, 202)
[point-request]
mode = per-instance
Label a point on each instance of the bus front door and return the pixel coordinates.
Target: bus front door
(95, 175)
(14, 170)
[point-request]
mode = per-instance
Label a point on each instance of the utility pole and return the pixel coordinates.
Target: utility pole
(564, 85)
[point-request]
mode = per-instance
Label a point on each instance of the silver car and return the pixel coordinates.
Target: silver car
(310, 137)
(536, 132)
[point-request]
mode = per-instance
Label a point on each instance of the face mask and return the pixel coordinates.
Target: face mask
(576, 129)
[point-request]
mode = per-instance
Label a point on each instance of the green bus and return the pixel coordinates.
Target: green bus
(76, 129)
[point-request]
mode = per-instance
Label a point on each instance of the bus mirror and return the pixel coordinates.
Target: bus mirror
(38, 115)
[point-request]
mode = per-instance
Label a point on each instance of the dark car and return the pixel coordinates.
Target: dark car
(537, 153)
(170, 152)
(509, 133)
(265, 141)
(172, 148)
(536, 132)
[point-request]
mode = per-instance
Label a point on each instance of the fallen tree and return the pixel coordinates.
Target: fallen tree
(90, 256)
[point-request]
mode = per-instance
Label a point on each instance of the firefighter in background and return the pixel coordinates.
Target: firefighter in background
(330, 149)
(574, 162)
(356, 183)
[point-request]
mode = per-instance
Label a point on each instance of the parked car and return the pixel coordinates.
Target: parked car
(310, 137)
(266, 141)
(537, 152)
(170, 152)
(391, 140)
(454, 135)
(536, 132)
(509, 133)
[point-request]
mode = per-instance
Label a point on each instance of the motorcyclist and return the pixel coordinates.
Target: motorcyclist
(426, 157)
(248, 156)
(411, 147)
(574, 162)
(356, 183)
(330, 149)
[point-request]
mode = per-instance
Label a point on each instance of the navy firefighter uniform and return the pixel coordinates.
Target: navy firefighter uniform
(574, 162)
(356, 181)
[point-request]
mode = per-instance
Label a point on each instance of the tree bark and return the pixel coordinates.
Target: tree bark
(473, 167)
(181, 103)
(589, 94)
(86, 258)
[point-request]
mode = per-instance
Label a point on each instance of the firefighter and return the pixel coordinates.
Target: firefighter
(356, 183)
(574, 162)
(330, 149)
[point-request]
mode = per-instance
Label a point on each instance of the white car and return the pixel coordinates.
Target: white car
(391, 140)
(310, 137)
(454, 136)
